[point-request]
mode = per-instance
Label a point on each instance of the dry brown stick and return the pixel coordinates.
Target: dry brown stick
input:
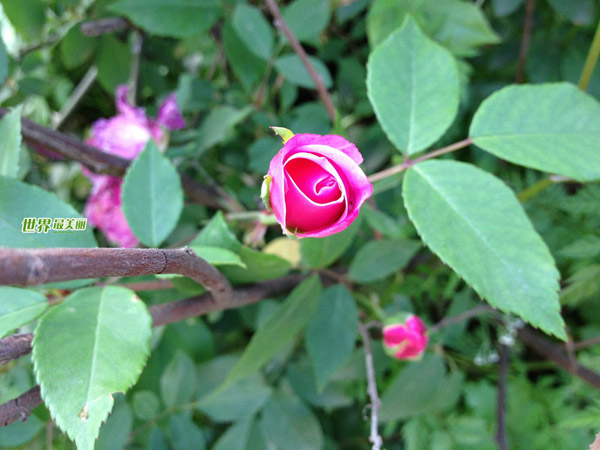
(527, 29)
(299, 50)
(21, 407)
(554, 353)
(14, 346)
(104, 26)
(97, 161)
(30, 267)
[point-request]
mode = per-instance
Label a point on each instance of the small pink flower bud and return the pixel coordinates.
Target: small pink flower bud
(406, 340)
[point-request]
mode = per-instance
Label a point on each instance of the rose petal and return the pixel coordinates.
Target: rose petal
(316, 183)
(416, 325)
(169, 114)
(331, 140)
(394, 335)
(302, 212)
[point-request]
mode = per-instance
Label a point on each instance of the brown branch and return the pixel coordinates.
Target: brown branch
(374, 437)
(527, 29)
(501, 403)
(297, 47)
(15, 346)
(97, 161)
(20, 407)
(104, 26)
(587, 343)
(19, 345)
(30, 267)
(409, 163)
(554, 353)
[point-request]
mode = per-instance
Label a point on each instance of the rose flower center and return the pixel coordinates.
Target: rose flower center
(314, 199)
(313, 181)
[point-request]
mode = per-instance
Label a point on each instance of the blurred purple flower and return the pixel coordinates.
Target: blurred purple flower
(124, 135)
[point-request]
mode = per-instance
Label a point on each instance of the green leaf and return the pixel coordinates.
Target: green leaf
(178, 380)
(185, 434)
(580, 12)
(10, 143)
(171, 18)
(218, 256)
(550, 127)
(85, 349)
(505, 7)
(307, 18)
(291, 67)
(146, 405)
(237, 400)
(113, 60)
(331, 334)
(218, 126)
(322, 252)
(259, 266)
(280, 329)
(76, 48)
(28, 18)
(19, 201)
(422, 387)
(247, 67)
(19, 307)
(152, 196)
(476, 225)
(378, 259)
(250, 24)
(19, 432)
(236, 437)
(114, 434)
(412, 83)
(290, 425)
(460, 26)
(464, 27)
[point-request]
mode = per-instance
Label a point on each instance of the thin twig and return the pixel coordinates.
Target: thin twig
(590, 61)
(30, 267)
(374, 437)
(104, 26)
(97, 161)
(136, 56)
(297, 47)
(527, 29)
(409, 163)
(460, 317)
(554, 353)
(586, 343)
(78, 93)
(501, 401)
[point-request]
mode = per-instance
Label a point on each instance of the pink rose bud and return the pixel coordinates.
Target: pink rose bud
(406, 340)
(315, 186)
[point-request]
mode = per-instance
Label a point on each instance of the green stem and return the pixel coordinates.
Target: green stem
(591, 60)
(534, 189)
